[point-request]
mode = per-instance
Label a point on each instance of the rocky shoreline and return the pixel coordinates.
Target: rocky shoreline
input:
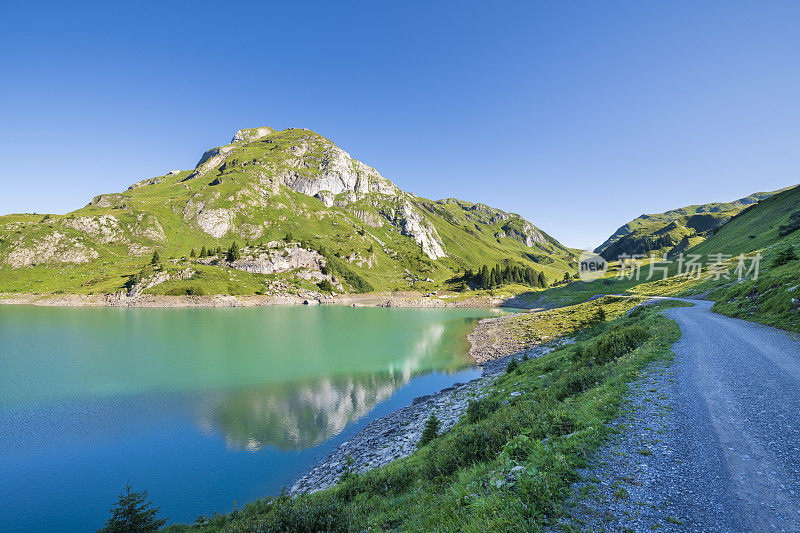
(396, 436)
(398, 299)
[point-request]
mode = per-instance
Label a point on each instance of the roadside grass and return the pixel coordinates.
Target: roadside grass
(508, 464)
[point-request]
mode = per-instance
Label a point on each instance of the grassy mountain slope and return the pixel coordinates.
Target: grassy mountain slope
(772, 229)
(674, 231)
(754, 228)
(769, 228)
(301, 209)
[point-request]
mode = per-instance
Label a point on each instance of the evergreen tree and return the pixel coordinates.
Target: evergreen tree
(566, 277)
(530, 277)
(203, 252)
(133, 513)
(156, 258)
(233, 253)
(192, 253)
(542, 280)
(484, 279)
(219, 250)
(431, 430)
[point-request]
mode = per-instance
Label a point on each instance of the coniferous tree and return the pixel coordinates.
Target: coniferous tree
(203, 252)
(156, 259)
(542, 280)
(192, 253)
(431, 430)
(530, 277)
(233, 253)
(133, 513)
(484, 279)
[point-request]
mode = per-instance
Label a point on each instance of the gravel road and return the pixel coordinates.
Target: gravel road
(712, 442)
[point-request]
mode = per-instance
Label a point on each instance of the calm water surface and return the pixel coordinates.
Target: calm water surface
(202, 407)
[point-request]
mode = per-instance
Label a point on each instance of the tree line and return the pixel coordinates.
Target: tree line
(489, 278)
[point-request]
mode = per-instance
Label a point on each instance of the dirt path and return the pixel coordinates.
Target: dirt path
(712, 442)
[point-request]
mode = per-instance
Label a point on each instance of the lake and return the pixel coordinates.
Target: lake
(201, 407)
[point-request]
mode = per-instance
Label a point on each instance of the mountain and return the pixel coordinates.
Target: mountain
(301, 211)
(675, 230)
(772, 221)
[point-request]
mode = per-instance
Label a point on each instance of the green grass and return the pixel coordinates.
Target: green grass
(461, 480)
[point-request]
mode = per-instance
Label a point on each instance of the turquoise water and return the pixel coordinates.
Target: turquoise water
(202, 407)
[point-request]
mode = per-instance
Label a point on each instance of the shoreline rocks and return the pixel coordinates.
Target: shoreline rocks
(400, 299)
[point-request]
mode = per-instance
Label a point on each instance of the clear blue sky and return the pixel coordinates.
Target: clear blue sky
(577, 115)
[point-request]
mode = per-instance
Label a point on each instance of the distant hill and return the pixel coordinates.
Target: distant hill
(302, 212)
(757, 227)
(675, 230)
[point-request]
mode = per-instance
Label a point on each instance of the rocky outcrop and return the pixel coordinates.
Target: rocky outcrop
(524, 232)
(108, 200)
(104, 228)
(251, 134)
(210, 160)
(215, 222)
(157, 278)
(54, 247)
(150, 181)
(412, 224)
(337, 173)
(281, 259)
(147, 227)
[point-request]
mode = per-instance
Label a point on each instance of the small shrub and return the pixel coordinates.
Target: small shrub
(133, 513)
(513, 365)
(792, 226)
(325, 286)
(518, 448)
(431, 430)
(479, 409)
(612, 344)
(559, 423)
(574, 382)
(784, 256)
(194, 290)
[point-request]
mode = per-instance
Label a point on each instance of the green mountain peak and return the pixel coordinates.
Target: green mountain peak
(269, 190)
